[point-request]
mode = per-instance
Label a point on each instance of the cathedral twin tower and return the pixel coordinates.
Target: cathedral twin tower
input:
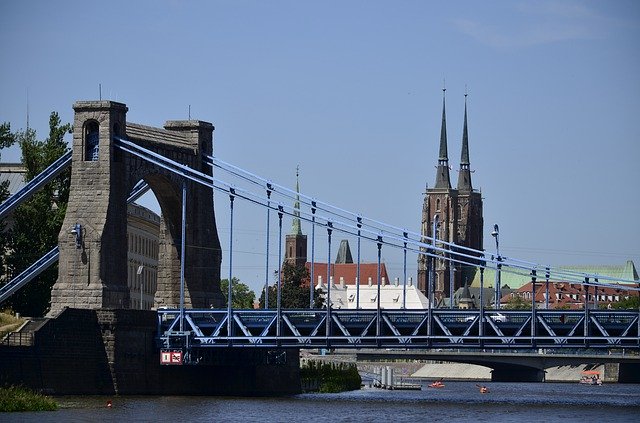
(458, 216)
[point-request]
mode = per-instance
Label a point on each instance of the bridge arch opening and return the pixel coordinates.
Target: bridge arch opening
(143, 241)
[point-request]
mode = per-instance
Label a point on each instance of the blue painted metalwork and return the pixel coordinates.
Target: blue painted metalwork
(183, 244)
(404, 272)
(266, 266)
(378, 309)
(398, 328)
(328, 298)
(313, 251)
(504, 329)
(34, 185)
(359, 225)
(279, 287)
(26, 276)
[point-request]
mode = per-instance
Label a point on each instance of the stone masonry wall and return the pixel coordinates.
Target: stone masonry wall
(102, 352)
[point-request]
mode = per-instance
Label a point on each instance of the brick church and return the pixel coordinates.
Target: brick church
(458, 212)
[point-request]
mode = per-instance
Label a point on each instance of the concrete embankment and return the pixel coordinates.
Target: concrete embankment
(460, 371)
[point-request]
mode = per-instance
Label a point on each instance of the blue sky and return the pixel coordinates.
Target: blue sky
(351, 92)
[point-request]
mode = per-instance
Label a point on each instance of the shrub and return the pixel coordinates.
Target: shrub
(17, 398)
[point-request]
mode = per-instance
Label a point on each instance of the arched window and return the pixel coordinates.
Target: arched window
(438, 204)
(91, 141)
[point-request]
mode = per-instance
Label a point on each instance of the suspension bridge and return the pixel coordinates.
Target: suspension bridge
(190, 314)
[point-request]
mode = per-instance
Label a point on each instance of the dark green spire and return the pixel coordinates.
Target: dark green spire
(442, 177)
(464, 178)
(295, 224)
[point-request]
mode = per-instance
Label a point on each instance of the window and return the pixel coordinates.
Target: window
(92, 141)
(438, 204)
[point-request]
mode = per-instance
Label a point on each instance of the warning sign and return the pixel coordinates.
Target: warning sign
(170, 357)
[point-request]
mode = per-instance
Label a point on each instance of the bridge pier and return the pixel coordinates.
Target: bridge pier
(515, 373)
(629, 373)
(113, 351)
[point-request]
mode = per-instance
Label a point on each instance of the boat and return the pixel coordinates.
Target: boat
(437, 384)
(483, 389)
(591, 377)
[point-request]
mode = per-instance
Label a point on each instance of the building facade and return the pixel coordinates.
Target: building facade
(143, 235)
(456, 213)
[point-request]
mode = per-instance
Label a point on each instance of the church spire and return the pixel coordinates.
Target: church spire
(464, 178)
(295, 224)
(442, 177)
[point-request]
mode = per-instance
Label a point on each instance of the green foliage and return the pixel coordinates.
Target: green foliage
(517, 303)
(15, 398)
(37, 221)
(6, 137)
(629, 303)
(294, 293)
(330, 377)
(9, 322)
(243, 297)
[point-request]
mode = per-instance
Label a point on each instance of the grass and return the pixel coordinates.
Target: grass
(16, 398)
(331, 377)
(9, 322)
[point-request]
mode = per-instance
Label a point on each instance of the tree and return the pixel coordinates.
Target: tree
(6, 140)
(293, 293)
(243, 297)
(516, 302)
(37, 221)
(631, 302)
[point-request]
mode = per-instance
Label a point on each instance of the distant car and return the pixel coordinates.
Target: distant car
(499, 317)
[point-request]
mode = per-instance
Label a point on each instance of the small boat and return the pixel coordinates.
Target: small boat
(590, 377)
(483, 389)
(437, 384)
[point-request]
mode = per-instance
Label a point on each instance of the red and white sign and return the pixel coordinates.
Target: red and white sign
(170, 357)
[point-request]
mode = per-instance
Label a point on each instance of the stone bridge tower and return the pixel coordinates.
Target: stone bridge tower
(93, 240)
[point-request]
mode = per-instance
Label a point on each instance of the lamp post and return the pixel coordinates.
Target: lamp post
(496, 235)
(432, 284)
(139, 272)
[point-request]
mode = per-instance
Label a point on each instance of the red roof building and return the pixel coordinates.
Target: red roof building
(347, 273)
(570, 295)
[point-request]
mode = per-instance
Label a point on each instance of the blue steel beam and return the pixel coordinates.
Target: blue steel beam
(35, 184)
(29, 273)
(559, 329)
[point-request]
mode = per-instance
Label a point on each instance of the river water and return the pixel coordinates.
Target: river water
(456, 402)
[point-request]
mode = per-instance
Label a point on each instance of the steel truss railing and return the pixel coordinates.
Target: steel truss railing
(437, 328)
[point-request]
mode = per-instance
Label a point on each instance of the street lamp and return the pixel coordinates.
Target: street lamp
(496, 235)
(139, 272)
(76, 231)
(432, 284)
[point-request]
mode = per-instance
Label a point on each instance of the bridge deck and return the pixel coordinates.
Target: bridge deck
(411, 329)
